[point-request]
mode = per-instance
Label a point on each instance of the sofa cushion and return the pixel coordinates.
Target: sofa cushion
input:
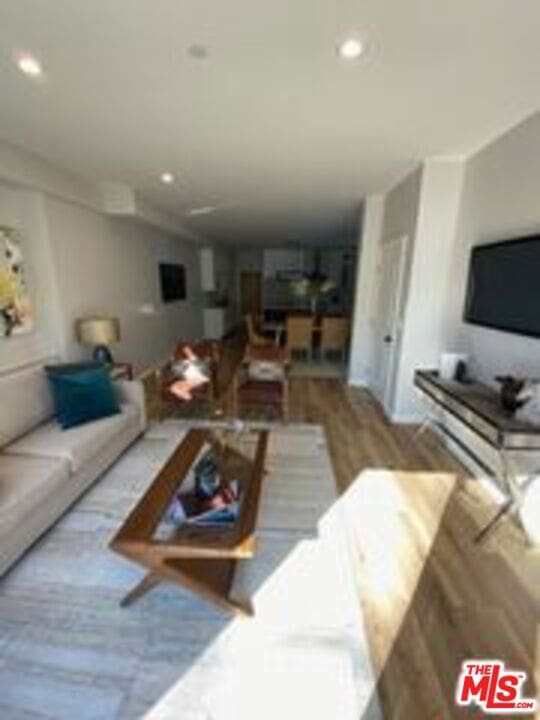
(26, 402)
(77, 445)
(25, 484)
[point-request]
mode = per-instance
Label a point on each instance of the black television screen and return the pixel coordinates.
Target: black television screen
(173, 282)
(503, 289)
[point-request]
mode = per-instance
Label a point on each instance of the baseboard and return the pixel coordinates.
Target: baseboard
(406, 418)
(358, 384)
(355, 381)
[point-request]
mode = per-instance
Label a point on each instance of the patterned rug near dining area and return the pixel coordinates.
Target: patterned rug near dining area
(69, 652)
(319, 368)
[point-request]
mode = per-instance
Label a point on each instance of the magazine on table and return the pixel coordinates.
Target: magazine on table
(206, 501)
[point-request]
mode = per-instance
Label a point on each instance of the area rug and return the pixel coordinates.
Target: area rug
(324, 369)
(68, 651)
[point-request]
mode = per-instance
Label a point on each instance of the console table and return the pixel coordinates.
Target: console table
(477, 407)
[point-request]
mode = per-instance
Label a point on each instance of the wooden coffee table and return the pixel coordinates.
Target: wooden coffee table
(202, 559)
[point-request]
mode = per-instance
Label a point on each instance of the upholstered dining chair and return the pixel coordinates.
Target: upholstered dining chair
(254, 337)
(334, 335)
(300, 334)
(261, 382)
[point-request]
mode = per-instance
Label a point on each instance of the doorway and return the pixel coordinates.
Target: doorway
(250, 293)
(388, 319)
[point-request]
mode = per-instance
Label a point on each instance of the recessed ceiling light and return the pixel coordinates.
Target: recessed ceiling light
(198, 51)
(167, 178)
(29, 65)
(350, 49)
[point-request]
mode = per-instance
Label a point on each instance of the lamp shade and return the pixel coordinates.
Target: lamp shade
(97, 331)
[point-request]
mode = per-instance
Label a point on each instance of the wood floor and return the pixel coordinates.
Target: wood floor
(446, 600)
(358, 433)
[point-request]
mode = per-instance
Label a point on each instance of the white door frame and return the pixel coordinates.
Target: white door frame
(384, 389)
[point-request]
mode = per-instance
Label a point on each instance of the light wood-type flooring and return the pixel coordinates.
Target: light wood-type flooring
(429, 596)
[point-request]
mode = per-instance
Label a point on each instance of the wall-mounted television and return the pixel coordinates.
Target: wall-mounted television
(173, 282)
(503, 289)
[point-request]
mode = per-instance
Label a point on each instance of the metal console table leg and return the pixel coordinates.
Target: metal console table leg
(514, 502)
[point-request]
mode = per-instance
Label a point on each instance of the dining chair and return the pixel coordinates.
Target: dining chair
(300, 334)
(261, 383)
(334, 335)
(253, 336)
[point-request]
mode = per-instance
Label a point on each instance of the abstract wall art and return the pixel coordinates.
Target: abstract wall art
(15, 308)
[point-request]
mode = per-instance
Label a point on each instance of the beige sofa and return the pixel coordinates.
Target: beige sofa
(44, 469)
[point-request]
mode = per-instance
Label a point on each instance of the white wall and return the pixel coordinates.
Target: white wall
(423, 208)
(224, 266)
(386, 218)
(362, 328)
(401, 207)
(110, 266)
(423, 337)
(501, 199)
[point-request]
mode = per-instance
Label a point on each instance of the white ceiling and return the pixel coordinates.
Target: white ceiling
(272, 126)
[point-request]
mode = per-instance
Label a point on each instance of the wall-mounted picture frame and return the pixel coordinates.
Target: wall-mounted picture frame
(16, 317)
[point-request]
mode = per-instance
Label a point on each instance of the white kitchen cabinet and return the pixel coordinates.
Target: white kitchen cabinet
(208, 269)
(217, 322)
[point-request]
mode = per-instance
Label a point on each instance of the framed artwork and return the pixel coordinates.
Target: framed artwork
(15, 308)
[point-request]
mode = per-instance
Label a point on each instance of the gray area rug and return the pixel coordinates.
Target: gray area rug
(327, 369)
(69, 652)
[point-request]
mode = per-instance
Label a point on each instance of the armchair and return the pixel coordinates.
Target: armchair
(262, 381)
(191, 374)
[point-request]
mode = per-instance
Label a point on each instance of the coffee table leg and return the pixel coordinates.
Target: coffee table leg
(148, 582)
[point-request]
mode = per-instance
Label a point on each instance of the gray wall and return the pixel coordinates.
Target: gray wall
(501, 199)
(25, 211)
(401, 208)
(109, 266)
(446, 208)
(80, 262)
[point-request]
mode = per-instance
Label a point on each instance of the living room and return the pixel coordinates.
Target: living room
(269, 402)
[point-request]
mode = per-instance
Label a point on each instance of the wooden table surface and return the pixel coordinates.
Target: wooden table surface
(203, 559)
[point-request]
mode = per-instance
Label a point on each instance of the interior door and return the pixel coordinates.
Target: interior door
(388, 318)
(250, 293)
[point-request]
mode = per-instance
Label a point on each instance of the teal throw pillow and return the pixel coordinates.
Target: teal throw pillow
(82, 395)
